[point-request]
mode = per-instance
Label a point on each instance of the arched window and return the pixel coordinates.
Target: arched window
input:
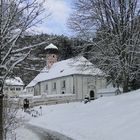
(92, 95)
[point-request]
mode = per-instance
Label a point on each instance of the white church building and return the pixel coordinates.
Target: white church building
(73, 78)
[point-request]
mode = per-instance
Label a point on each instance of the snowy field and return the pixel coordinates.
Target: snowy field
(107, 118)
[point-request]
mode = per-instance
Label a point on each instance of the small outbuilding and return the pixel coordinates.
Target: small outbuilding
(13, 86)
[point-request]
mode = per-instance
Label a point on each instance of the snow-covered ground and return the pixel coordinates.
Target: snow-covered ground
(107, 118)
(24, 133)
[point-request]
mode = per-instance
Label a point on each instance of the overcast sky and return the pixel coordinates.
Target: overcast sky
(56, 23)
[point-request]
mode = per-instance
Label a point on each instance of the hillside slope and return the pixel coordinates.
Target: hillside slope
(107, 118)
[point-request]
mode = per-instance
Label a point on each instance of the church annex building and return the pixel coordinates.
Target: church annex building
(75, 77)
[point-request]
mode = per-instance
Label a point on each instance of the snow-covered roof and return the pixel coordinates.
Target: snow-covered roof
(51, 46)
(78, 65)
(16, 81)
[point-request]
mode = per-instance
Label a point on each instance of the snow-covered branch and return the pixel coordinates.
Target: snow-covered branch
(28, 47)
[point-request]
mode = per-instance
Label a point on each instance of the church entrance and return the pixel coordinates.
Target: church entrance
(92, 95)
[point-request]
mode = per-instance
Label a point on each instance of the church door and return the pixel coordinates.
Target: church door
(92, 95)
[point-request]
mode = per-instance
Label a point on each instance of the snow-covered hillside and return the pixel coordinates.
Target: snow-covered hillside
(107, 118)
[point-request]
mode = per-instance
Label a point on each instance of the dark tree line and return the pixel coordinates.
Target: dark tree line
(32, 65)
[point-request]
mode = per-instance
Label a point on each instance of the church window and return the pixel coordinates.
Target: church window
(73, 89)
(54, 85)
(63, 84)
(12, 89)
(18, 89)
(46, 87)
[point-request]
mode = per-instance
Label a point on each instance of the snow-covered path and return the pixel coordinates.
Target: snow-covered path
(24, 133)
(29, 132)
(46, 134)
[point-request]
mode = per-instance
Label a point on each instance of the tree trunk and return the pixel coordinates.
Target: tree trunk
(1, 93)
(125, 85)
(1, 116)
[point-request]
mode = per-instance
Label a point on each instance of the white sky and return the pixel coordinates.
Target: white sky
(56, 23)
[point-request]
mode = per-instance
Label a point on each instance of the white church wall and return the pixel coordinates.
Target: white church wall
(64, 85)
(87, 83)
(49, 87)
(75, 90)
(43, 88)
(79, 87)
(92, 86)
(37, 89)
(85, 87)
(82, 87)
(101, 83)
(59, 89)
(54, 86)
(30, 90)
(104, 82)
(69, 85)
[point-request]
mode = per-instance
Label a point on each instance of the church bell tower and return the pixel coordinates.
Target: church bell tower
(51, 55)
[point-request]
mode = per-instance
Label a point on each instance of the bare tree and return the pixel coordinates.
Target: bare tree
(114, 28)
(16, 18)
(10, 119)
